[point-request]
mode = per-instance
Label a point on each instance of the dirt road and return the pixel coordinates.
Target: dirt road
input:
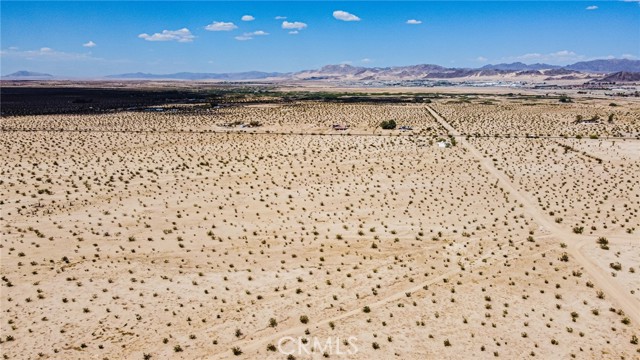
(600, 277)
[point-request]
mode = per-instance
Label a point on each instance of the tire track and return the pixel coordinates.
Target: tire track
(252, 345)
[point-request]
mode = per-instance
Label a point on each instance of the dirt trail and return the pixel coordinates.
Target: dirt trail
(574, 242)
(259, 342)
(607, 284)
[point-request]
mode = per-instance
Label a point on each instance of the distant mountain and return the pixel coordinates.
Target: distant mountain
(348, 72)
(341, 69)
(514, 71)
(518, 66)
(622, 76)
(24, 74)
(560, 71)
(606, 66)
(250, 75)
(430, 71)
(517, 71)
(593, 66)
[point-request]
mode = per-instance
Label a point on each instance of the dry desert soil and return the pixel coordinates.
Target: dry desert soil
(247, 227)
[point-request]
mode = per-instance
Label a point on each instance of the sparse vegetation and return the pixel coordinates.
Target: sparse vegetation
(214, 229)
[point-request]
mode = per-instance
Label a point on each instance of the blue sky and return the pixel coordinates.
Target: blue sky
(94, 38)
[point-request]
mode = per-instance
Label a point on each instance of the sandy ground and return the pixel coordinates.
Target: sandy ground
(171, 236)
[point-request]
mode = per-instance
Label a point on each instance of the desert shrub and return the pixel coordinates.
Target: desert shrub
(388, 124)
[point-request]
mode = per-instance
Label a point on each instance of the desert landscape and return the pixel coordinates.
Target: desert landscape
(210, 221)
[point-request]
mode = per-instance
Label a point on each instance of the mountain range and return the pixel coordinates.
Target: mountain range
(587, 70)
(23, 74)
(622, 76)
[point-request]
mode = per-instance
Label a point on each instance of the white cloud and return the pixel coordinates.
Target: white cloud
(558, 57)
(414, 22)
(558, 54)
(182, 35)
(481, 59)
(592, 7)
(280, 17)
(89, 44)
(345, 16)
(293, 25)
(221, 26)
(247, 18)
(366, 60)
(629, 56)
(45, 54)
(294, 32)
(250, 35)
